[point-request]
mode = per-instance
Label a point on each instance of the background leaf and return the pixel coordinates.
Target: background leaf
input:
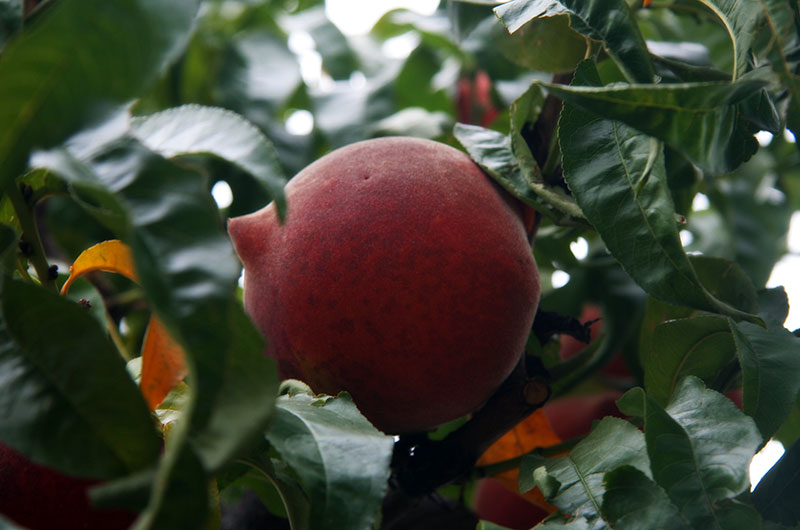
(73, 73)
(777, 495)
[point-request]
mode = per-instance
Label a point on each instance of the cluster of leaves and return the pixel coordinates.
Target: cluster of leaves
(119, 117)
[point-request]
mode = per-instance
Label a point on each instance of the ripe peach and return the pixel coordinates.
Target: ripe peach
(40, 498)
(572, 416)
(402, 274)
(495, 503)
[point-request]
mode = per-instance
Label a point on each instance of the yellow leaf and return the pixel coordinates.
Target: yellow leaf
(163, 364)
(109, 256)
(163, 360)
(535, 431)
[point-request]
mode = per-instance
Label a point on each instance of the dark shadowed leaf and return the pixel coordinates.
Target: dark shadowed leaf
(517, 13)
(194, 129)
(777, 496)
(632, 501)
(10, 19)
(726, 281)
(531, 46)
(68, 401)
(698, 346)
(339, 460)
(77, 64)
(608, 163)
(574, 483)
(770, 361)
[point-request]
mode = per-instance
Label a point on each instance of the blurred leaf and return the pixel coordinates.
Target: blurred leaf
(770, 361)
(338, 58)
(698, 346)
(605, 163)
(10, 19)
(777, 495)
(340, 461)
(699, 448)
(579, 476)
(68, 401)
(773, 304)
(532, 46)
(671, 112)
(346, 115)
(65, 72)
(739, 19)
(756, 214)
(257, 71)
(182, 480)
(633, 501)
(193, 129)
(414, 121)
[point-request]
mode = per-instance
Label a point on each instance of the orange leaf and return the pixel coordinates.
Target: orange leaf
(646, 3)
(163, 360)
(163, 364)
(535, 431)
(109, 256)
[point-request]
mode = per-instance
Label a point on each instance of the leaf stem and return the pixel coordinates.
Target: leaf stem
(30, 235)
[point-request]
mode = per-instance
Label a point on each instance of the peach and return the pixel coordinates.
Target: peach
(402, 275)
(40, 498)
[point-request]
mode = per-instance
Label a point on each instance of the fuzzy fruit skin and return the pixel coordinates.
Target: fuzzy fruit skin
(40, 498)
(402, 275)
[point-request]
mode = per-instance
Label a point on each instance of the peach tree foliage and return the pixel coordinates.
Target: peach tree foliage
(629, 125)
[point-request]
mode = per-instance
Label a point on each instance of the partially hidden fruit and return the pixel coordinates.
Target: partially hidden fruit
(40, 498)
(616, 369)
(495, 503)
(402, 274)
(573, 416)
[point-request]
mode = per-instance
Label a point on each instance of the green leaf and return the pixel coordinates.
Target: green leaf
(770, 361)
(194, 129)
(339, 459)
(782, 21)
(777, 495)
(68, 401)
(612, 23)
(532, 46)
(699, 448)
(252, 58)
(338, 58)
(10, 19)
(180, 497)
(726, 281)
(739, 19)
(66, 70)
(675, 113)
(493, 151)
(698, 346)
(608, 21)
(632, 501)
(612, 443)
(608, 163)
